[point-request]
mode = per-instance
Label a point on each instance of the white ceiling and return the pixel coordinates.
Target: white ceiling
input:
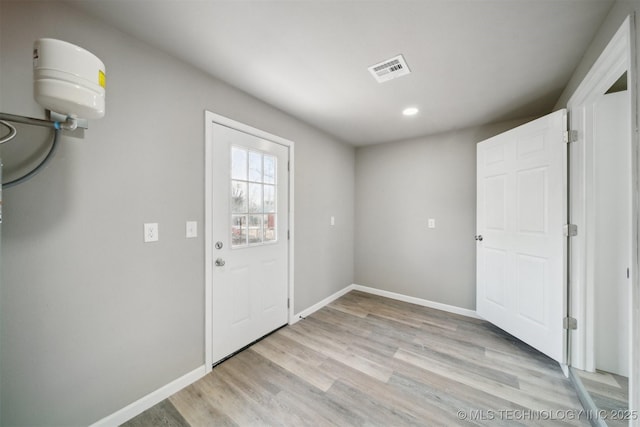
(472, 61)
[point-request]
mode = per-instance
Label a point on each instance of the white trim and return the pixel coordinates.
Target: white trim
(418, 301)
(387, 294)
(209, 119)
(611, 64)
(208, 241)
(151, 399)
(292, 251)
(620, 55)
(317, 306)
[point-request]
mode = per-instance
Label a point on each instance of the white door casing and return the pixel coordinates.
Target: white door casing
(614, 61)
(247, 249)
(521, 212)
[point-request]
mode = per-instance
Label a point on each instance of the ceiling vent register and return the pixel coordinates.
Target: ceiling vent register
(390, 69)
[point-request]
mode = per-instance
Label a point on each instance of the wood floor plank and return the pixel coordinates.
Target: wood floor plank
(311, 414)
(372, 411)
(164, 414)
(612, 392)
(306, 371)
(475, 359)
(221, 394)
(528, 399)
(387, 396)
(449, 403)
(365, 360)
(196, 410)
(273, 410)
(315, 338)
(301, 396)
(466, 363)
(600, 377)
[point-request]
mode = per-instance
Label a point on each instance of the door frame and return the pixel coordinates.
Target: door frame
(618, 57)
(211, 118)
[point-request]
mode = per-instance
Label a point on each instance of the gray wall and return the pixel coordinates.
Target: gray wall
(91, 318)
(398, 187)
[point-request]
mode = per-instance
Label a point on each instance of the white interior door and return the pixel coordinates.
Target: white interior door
(521, 211)
(613, 231)
(249, 235)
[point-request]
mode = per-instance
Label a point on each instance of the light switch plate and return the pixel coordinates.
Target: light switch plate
(151, 232)
(192, 229)
(332, 221)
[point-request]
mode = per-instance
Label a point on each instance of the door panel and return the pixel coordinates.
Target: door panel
(531, 302)
(495, 189)
(532, 194)
(250, 222)
(495, 261)
(521, 211)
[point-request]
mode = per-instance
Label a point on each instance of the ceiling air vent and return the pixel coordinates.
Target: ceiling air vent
(390, 69)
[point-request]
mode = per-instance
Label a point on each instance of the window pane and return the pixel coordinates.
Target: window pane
(238, 230)
(269, 198)
(238, 163)
(255, 166)
(255, 198)
(255, 229)
(238, 197)
(269, 169)
(270, 228)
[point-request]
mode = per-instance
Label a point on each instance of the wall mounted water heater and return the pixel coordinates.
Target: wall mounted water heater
(68, 79)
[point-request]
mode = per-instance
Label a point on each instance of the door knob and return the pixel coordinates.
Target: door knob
(479, 237)
(220, 262)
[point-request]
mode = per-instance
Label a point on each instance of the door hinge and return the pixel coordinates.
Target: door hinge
(288, 303)
(569, 323)
(570, 230)
(289, 166)
(570, 136)
(288, 235)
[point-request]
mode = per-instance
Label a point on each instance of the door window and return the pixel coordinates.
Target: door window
(253, 197)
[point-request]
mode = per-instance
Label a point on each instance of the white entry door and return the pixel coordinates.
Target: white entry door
(249, 238)
(521, 211)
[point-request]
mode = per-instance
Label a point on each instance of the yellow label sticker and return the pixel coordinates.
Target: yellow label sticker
(102, 79)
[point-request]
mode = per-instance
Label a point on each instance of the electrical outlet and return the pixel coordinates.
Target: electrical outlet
(431, 223)
(192, 229)
(151, 232)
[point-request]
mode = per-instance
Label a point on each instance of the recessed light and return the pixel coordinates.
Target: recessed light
(410, 111)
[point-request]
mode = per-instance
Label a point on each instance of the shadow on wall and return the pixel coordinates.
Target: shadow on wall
(21, 155)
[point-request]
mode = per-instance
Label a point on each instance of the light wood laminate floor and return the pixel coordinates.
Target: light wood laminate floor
(366, 360)
(610, 393)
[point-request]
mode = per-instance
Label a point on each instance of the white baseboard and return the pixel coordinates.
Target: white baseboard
(417, 301)
(400, 297)
(151, 399)
(328, 300)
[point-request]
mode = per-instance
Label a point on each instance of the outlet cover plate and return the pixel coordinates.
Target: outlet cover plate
(151, 232)
(192, 229)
